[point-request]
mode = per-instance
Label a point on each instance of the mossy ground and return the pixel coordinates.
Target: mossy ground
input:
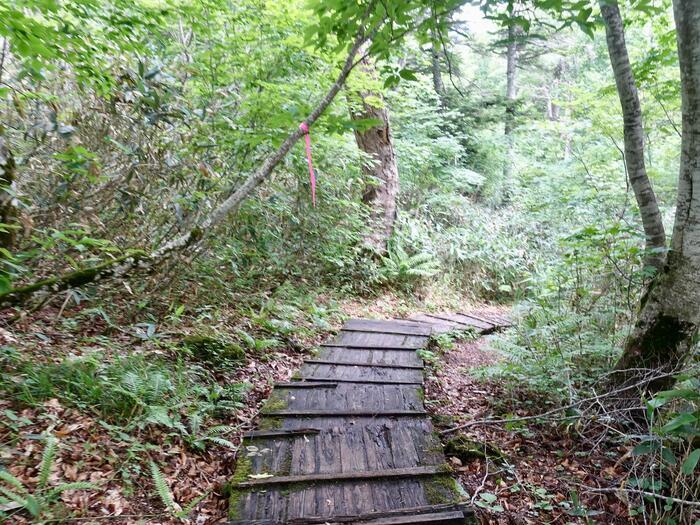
(214, 350)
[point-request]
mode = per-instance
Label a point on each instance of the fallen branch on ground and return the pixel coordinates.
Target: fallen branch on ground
(545, 415)
(642, 493)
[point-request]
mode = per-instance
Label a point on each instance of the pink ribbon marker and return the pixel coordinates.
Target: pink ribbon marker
(305, 128)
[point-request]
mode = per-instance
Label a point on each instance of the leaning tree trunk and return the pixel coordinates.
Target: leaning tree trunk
(382, 172)
(511, 97)
(8, 209)
(634, 135)
(667, 325)
(119, 268)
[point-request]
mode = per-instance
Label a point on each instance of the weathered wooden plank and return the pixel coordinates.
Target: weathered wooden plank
(331, 380)
(388, 327)
(367, 346)
(306, 384)
(370, 356)
(371, 422)
(353, 475)
(492, 318)
(480, 324)
(453, 319)
(262, 434)
(439, 325)
(367, 517)
(360, 363)
(442, 518)
(378, 340)
(343, 413)
(328, 372)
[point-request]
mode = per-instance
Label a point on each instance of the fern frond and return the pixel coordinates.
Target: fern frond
(221, 429)
(47, 458)
(222, 442)
(162, 488)
(13, 496)
(191, 506)
(11, 480)
(78, 485)
(132, 383)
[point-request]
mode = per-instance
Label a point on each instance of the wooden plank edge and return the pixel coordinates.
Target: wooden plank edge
(371, 347)
(262, 434)
(333, 477)
(343, 413)
(495, 319)
(457, 323)
(479, 318)
(362, 364)
(364, 517)
(384, 332)
(405, 322)
(455, 517)
(324, 383)
(320, 380)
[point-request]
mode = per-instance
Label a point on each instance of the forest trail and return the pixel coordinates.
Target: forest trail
(349, 440)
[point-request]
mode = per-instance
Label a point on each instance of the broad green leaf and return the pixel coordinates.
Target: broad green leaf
(691, 462)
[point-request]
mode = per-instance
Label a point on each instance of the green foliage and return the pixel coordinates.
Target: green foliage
(403, 270)
(214, 350)
(134, 392)
(42, 501)
(166, 496)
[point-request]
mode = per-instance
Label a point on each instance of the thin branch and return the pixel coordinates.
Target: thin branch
(545, 415)
(642, 493)
(670, 120)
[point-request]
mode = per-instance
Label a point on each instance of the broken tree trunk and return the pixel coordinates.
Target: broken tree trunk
(382, 172)
(126, 265)
(634, 135)
(667, 325)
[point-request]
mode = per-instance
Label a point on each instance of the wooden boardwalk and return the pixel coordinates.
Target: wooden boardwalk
(348, 440)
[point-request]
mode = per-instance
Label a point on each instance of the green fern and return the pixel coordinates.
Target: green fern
(163, 489)
(400, 268)
(11, 480)
(16, 496)
(166, 496)
(47, 458)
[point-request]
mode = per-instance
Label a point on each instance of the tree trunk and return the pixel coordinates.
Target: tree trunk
(126, 265)
(634, 135)
(376, 142)
(667, 325)
(438, 84)
(8, 209)
(511, 96)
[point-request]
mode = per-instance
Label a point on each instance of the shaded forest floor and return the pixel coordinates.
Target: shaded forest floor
(519, 473)
(525, 474)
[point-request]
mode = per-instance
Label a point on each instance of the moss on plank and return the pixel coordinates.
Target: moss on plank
(442, 490)
(274, 404)
(244, 468)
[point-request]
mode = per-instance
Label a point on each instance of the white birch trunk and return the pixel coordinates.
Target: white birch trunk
(667, 326)
(634, 135)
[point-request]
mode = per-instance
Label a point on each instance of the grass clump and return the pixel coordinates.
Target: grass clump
(132, 391)
(213, 350)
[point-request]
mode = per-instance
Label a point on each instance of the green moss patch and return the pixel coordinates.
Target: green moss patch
(467, 449)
